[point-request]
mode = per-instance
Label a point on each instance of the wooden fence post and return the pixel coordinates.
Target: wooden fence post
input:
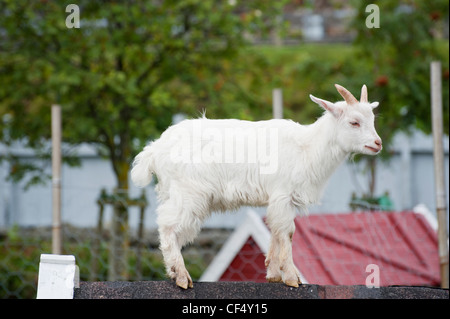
(56, 180)
(439, 169)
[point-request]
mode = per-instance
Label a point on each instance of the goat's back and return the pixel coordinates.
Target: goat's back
(232, 162)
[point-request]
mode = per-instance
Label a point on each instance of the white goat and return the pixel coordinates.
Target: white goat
(207, 165)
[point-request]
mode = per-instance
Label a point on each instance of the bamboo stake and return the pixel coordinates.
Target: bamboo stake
(277, 103)
(439, 169)
(56, 180)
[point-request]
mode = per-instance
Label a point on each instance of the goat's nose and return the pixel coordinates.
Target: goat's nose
(378, 142)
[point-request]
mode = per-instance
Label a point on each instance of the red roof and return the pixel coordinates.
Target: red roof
(335, 249)
(248, 265)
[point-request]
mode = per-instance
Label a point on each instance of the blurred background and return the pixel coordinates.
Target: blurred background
(133, 68)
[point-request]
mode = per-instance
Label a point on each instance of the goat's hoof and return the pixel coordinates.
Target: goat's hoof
(184, 282)
(292, 283)
(274, 279)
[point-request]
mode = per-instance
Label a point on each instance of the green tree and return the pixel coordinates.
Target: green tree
(110, 75)
(399, 53)
(397, 56)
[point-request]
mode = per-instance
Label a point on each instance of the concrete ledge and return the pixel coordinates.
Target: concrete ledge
(247, 290)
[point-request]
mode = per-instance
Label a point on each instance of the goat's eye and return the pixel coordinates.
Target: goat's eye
(355, 124)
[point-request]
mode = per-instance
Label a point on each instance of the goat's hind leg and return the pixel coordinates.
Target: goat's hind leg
(174, 234)
(173, 259)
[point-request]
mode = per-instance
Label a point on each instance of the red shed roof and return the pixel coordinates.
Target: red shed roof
(247, 265)
(335, 249)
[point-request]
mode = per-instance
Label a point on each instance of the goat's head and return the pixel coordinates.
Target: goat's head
(355, 122)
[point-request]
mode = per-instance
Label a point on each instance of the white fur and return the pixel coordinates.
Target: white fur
(189, 189)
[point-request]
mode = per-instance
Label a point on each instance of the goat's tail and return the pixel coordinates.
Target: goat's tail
(141, 173)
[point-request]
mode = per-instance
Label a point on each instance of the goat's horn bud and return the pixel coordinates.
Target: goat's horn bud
(364, 98)
(348, 97)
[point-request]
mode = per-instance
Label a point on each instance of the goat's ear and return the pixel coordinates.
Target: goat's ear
(374, 104)
(330, 107)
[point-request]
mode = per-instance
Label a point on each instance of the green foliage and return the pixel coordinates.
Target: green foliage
(19, 263)
(398, 56)
(130, 67)
(110, 75)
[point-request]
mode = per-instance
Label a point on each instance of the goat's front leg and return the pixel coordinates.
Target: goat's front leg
(291, 275)
(272, 261)
(279, 262)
